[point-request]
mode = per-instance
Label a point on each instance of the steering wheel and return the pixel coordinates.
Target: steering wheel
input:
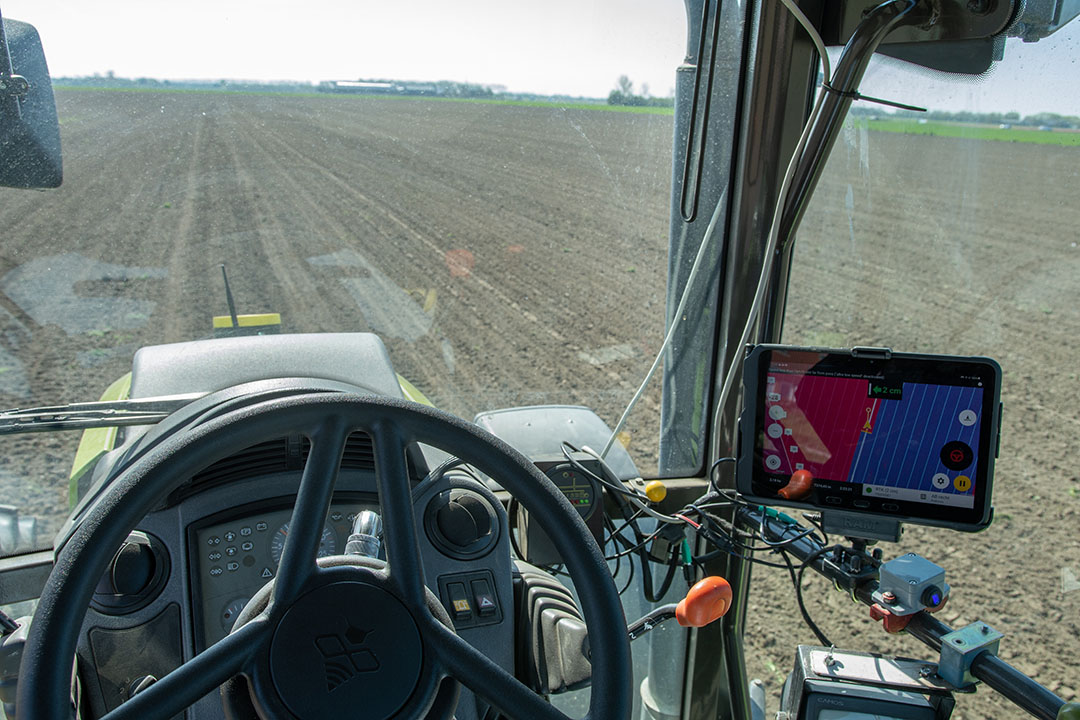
(412, 660)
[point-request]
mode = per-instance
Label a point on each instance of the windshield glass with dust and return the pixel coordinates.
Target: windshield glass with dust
(955, 231)
(491, 202)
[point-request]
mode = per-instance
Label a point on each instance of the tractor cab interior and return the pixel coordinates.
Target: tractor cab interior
(666, 361)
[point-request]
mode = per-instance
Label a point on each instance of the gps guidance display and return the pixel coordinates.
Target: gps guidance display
(910, 437)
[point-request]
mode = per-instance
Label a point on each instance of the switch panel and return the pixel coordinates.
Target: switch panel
(483, 597)
(470, 598)
(460, 608)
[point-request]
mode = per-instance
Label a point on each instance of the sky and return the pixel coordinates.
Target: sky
(565, 47)
(552, 47)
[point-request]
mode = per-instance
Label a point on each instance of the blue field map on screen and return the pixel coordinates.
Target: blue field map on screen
(919, 441)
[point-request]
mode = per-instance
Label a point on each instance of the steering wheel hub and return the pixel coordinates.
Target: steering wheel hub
(346, 648)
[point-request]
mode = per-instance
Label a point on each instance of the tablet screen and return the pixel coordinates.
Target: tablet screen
(910, 436)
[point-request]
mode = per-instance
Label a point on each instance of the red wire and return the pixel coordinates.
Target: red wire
(688, 521)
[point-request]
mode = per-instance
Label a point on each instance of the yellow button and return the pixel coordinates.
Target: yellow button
(656, 491)
(962, 483)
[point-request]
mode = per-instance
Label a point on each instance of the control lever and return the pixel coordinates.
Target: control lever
(17, 532)
(366, 537)
(708, 600)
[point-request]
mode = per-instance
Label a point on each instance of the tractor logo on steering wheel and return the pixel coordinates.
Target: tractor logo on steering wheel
(344, 656)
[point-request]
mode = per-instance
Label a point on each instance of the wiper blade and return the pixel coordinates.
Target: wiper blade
(79, 416)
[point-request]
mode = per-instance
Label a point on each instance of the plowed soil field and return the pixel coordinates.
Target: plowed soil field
(517, 255)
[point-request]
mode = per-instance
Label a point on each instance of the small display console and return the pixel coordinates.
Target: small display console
(904, 436)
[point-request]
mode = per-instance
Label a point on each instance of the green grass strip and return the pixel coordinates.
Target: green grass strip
(1015, 133)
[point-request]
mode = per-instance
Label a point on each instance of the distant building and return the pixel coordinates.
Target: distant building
(415, 88)
(357, 86)
(378, 87)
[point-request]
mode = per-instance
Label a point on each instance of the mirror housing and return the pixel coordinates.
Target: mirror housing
(29, 128)
(957, 36)
(1041, 18)
(962, 36)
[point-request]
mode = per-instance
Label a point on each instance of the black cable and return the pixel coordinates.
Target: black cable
(631, 523)
(559, 569)
(769, 544)
(712, 471)
(629, 579)
(706, 531)
(673, 565)
(642, 541)
(724, 539)
(728, 533)
(816, 522)
(634, 548)
(618, 567)
(626, 523)
(796, 580)
(705, 557)
(775, 546)
(779, 544)
(611, 532)
(614, 487)
(646, 571)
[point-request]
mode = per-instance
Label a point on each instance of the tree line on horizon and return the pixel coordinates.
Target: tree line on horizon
(1041, 119)
(623, 94)
(441, 88)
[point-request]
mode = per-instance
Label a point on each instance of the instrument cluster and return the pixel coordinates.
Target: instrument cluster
(234, 558)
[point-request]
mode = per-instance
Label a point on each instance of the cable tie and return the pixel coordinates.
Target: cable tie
(855, 95)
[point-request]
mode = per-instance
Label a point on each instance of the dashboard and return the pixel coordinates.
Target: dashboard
(217, 546)
(215, 540)
(238, 552)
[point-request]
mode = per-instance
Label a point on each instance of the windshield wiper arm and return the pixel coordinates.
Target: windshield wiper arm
(79, 416)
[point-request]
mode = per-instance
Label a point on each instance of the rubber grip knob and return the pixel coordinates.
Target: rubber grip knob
(708, 600)
(798, 486)
(656, 491)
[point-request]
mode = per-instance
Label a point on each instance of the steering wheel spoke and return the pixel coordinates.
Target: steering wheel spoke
(197, 677)
(477, 672)
(312, 504)
(406, 566)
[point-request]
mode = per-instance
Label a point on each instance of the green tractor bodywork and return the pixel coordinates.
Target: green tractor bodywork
(95, 442)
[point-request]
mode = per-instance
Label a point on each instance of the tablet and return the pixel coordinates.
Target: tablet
(906, 436)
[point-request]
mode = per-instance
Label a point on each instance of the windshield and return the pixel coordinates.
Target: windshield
(461, 188)
(955, 231)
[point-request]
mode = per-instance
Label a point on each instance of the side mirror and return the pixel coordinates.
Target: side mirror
(29, 128)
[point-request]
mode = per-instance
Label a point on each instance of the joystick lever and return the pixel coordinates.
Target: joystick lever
(708, 600)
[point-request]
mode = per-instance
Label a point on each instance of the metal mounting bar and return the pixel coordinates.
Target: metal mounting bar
(868, 35)
(651, 620)
(13, 86)
(878, 23)
(990, 669)
(960, 648)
